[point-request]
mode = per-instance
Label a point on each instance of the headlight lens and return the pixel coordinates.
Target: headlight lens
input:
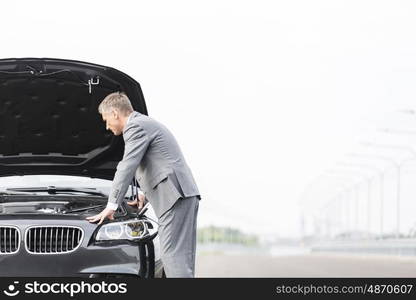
(134, 230)
(113, 232)
(129, 230)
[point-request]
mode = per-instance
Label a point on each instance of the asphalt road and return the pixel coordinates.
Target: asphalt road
(305, 265)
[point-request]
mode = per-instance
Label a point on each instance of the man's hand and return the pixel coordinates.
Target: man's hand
(139, 202)
(106, 213)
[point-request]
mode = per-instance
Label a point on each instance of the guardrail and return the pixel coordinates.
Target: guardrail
(389, 246)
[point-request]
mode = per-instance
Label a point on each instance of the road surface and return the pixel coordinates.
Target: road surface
(304, 265)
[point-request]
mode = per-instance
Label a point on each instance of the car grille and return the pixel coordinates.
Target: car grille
(53, 239)
(9, 240)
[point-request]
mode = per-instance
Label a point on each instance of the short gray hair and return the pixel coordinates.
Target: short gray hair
(118, 101)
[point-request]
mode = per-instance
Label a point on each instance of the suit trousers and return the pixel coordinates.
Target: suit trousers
(177, 235)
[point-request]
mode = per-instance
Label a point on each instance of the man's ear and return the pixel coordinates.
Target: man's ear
(115, 113)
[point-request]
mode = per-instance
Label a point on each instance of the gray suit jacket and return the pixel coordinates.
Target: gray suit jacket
(153, 156)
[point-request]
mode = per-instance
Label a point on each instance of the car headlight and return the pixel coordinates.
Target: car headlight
(128, 230)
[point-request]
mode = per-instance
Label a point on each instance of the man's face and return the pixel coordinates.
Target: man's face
(113, 122)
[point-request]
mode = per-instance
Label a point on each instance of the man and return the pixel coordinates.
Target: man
(152, 155)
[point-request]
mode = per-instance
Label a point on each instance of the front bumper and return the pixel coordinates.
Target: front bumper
(88, 260)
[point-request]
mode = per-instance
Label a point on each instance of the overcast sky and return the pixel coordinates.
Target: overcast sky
(261, 95)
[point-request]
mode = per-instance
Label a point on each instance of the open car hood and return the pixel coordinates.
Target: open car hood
(49, 120)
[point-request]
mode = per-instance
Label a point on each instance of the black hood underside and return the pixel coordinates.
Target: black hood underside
(49, 120)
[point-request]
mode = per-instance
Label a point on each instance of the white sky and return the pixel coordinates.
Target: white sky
(261, 95)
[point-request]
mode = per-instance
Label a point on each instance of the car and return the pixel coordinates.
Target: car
(57, 162)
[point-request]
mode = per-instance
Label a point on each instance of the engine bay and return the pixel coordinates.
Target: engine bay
(52, 205)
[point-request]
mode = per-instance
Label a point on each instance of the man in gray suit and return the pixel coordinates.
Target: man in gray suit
(153, 156)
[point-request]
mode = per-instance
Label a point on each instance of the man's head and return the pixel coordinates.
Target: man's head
(115, 109)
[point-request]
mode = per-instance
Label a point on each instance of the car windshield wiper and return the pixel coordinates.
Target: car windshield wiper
(5, 193)
(52, 190)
